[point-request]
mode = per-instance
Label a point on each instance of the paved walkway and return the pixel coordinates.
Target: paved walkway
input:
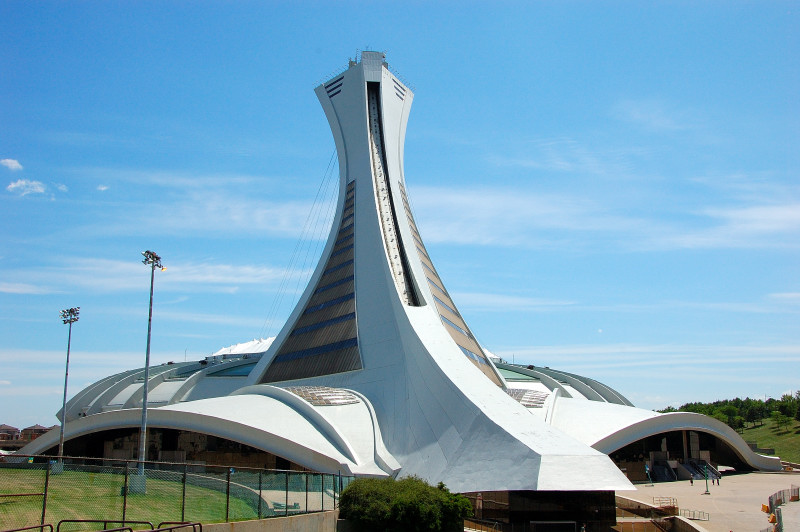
(734, 505)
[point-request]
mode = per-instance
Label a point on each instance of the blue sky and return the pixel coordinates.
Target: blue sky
(607, 188)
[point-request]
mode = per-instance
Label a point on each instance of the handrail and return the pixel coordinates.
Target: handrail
(105, 523)
(34, 527)
(695, 515)
(482, 525)
(177, 525)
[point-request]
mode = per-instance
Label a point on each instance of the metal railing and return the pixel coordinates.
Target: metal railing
(695, 515)
(105, 523)
(172, 525)
(34, 527)
(482, 525)
(39, 490)
(779, 498)
(783, 496)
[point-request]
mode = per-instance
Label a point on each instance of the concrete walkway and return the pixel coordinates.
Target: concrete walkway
(734, 505)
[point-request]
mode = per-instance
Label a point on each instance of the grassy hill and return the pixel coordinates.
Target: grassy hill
(786, 442)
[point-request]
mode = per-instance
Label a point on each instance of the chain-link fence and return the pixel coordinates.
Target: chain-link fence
(39, 490)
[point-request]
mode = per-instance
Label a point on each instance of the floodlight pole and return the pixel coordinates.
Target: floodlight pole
(154, 261)
(68, 316)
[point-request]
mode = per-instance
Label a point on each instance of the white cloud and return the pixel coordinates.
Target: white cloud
(503, 303)
(564, 154)
(508, 217)
(754, 187)
(24, 187)
(5, 383)
(115, 276)
(760, 218)
(23, 288)
(171, 180)
(214, 204)
(226, 274)
(231, 213)
(630, 355)
(786, 296)
(743, 227)
(527, 218)
(62, 188)
(11, 164)
(213, 319)
(787, 300)
(651, 114)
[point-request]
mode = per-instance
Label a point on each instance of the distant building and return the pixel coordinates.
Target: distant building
(8, 433)
(33, 432)
(376, 372)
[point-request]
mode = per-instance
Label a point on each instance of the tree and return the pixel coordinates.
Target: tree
(787, 405)
(753, 414)
(730, 412)
(781, 420)
(407, 504)
(720, 416)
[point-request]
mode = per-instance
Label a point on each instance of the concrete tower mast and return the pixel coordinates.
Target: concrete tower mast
(377, 319)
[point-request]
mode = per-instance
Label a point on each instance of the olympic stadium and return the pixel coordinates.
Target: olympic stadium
(377, 373)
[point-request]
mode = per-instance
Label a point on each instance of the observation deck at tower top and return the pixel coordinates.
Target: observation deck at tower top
(371, 62)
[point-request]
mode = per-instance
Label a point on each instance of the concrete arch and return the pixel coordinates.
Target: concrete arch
(677, 421)
(262, 422)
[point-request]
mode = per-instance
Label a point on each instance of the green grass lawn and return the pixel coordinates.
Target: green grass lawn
(786, 442)
(87, 495)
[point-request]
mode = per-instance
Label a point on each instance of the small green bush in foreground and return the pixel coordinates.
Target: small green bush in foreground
(410, 503)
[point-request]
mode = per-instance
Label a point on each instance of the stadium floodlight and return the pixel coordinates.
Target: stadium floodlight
(68, 316)
(154, 261)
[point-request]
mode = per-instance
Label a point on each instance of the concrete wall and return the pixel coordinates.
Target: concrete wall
(681, 524)
(315, 522)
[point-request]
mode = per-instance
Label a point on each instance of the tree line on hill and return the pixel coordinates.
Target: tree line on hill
(737, 413)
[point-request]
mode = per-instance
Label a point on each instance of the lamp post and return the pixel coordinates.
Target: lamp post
(68, 316)
(154, 261)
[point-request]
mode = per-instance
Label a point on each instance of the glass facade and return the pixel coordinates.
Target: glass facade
(448, 312)
(324, 339)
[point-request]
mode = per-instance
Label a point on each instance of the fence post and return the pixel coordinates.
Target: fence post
(125, 493)
(228, 495)
(260, 499)
(183, 495)
(46, 486)
(322, 491)
(286, 508)
(306, 491)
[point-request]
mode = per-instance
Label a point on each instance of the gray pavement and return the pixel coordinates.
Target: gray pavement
(734, 505)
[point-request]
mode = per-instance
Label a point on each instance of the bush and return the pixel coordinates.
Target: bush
(374, 504)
